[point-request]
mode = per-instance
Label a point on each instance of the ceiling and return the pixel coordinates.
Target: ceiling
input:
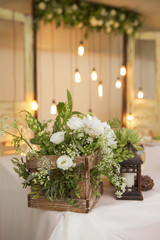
(149, 9)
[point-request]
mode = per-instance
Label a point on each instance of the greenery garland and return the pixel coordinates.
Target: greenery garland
(86, 14)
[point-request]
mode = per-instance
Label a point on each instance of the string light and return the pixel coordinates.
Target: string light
(34, 105)
(123, 70)
(77, 76)
(140, 93)
(130, 117)
(100, 89)
(53, 108)
(81, 49)
(94, 74)
(118, 83)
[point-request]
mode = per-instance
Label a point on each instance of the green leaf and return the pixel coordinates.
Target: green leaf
(34, 141)
(78, 113)
(69, 97)
(60, 107)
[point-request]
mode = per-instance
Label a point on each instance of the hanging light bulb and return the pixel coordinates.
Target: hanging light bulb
(118, 83)
(34, 105)
(100, 89)
(53, 108)
(94, 74)
(123, 70)
(130, 117)
(140, 93)
(81, 49)
(77, 76)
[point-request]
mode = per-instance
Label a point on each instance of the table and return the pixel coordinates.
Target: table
(111, 219)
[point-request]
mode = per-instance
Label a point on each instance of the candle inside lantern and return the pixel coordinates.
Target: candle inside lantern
(129, 179)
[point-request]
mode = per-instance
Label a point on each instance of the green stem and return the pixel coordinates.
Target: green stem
(21, 137)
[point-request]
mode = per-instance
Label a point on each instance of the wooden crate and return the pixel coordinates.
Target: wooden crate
(87, 199)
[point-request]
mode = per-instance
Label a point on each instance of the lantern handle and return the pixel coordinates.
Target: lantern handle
(130, 146)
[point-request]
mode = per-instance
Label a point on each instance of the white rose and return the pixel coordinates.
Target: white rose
(49, 16)
(129, 30)
(57, 137)
(108, 29)
(75, 123)
(116, 24)
(93, 21)
(113, 12)
(74, 7)
(103, 13)
(80, 25)
(42, 6)
(64, 162)
(135, 23)
(59, 11)
(109, 23)
(122, 17)
(99, 23)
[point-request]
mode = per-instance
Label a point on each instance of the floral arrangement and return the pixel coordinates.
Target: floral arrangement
(92, 16)
(73, 135)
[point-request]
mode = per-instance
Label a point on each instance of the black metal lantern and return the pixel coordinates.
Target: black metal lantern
(131, 171)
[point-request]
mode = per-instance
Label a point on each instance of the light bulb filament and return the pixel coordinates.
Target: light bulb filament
(34, 105)
(81, 49)
(77, 76)
(53, 108)
(123, 70)
(140, 93)
(94, 75)
(100, 89)
(118, 83)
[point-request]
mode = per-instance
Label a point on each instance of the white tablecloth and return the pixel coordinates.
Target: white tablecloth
(111, 219)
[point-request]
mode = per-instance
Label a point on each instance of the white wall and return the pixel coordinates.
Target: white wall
(56, 70)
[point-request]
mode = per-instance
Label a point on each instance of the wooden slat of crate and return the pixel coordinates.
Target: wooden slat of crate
(89, 161)
(85, 205)
(31, 162)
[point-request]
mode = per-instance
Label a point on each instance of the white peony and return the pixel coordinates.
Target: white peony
(64, 162)
(75, 123)
(113, 12)
(106, 126)
(93, 126)
(111, 138)
(57, 137)
(42, 6)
